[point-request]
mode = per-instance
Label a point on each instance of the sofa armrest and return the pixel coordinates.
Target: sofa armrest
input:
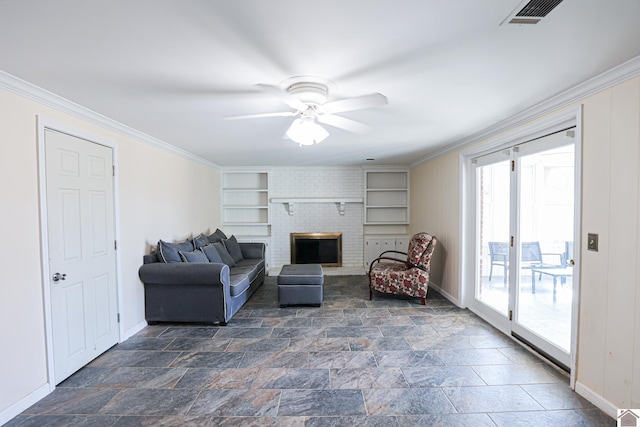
(252, 250)
(184, 273)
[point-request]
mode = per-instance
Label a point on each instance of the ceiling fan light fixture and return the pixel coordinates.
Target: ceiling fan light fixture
(305, 131)
(309, 92)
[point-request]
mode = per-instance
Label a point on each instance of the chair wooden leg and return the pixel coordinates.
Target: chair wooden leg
(423, 301)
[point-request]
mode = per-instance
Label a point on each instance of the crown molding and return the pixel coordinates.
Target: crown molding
(35, 93)
(625, 71)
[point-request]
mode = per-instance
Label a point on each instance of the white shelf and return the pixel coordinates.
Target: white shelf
(386, 197)
(317, 200)
(340, 201)
(245, 200)
(245, 190)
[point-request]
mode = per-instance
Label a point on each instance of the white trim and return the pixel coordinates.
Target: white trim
(625, 71)
(24, 403)
(43, 96)
(445, 294)
(577, 244)
(548, 125)
(42, 125)
(132, 331)
(595, 398)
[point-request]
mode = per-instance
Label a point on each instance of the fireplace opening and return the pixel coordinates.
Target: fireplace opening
(317, 248)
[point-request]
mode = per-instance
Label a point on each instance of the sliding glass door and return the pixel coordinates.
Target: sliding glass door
(493, 202)
(524, 242)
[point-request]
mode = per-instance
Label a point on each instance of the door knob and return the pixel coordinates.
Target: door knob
(59, 276)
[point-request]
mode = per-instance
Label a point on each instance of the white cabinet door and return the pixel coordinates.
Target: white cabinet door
(402, 243)
(388, 244)
(372, 250)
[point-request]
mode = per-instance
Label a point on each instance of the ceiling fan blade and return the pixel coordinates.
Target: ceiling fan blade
(356, 103)
(260, 115)
(344, 123)
(285, 97)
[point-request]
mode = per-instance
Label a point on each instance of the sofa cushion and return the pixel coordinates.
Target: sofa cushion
(168, 252)
(211, 253)
(233, 247)
(222, 251)
(217, 236)
(193, 256)
(251, 267)
(200, 241)
(238, 284)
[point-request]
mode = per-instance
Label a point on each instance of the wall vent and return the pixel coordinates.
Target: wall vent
(531, 12)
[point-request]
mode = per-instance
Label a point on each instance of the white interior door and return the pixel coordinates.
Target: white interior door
(82, 266)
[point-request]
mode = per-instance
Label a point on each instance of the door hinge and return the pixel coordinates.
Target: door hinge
(113, 170)
(118, 317)
(511, 241)
(510, 315)
(115, 245)
(513, 165)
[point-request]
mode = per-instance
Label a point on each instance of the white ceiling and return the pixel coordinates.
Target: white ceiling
(173, 68)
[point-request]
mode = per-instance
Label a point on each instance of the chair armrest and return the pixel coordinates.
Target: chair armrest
(401, 261)
(499, 257)
(394, 252)
(183, 273)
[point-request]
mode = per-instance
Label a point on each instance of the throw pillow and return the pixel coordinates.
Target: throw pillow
(200, 241)
(233, 247)
(168, 252)
(194, 256)
(222, 251)
(211, 253)
(217, 236)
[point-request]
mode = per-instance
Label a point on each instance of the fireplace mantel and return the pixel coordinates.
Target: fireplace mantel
(339, 201)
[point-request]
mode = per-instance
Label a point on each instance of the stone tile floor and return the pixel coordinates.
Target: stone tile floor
(386, 362)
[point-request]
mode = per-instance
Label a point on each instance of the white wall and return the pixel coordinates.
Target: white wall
(609, 337)
(608, 355)
(162, 195)
(317, 217)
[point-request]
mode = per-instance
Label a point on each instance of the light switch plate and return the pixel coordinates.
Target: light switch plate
(592, 242)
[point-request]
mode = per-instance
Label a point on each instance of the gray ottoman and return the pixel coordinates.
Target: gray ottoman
(300, 284)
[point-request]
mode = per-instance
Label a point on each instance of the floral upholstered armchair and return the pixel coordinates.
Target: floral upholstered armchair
(408, 276)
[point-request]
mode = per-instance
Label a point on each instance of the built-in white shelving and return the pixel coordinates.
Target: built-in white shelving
(386, 197)
(245, 201)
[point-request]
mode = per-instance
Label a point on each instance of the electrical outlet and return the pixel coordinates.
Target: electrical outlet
(592, 242)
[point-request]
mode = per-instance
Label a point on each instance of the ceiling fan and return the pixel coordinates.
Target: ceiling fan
(308, 97)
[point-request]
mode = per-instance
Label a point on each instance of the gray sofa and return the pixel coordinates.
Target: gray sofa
(202, 292)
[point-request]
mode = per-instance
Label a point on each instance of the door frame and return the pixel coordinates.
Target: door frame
(44, 124)
(571, 117)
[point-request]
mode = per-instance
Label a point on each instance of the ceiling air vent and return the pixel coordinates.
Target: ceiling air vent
(532, 12)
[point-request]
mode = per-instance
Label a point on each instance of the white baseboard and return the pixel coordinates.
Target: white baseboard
(132, 331)
(599, 401)
(18, 407)
(445, 294)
